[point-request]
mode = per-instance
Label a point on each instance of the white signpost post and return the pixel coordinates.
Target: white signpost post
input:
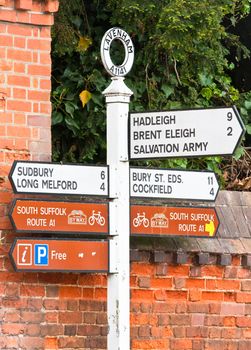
(185, 133)
(117, 99)
(63, 179)
(173, 184)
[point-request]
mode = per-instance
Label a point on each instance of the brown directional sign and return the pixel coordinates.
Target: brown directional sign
(60, 255)
(176, 221)
(59, 217)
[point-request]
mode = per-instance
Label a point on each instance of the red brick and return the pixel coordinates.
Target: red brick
(160, 295)
(100, 293)
(179, 283)
(184, 344)
(6, 65)
(51, 6)
(243, 297)
(141, 294)
(244, 321)
(229, 321)
(32, 317)
(45, 108)
(69, 292)
(70, 317)
(161, 282)
(223, 284)
(23, 4)
(18, 80)
(31, 290)
(232, 309)
(44, 57)
(13, 328)
(23, 17)
(195, 283)
(39, 70)
(89, 330)
(212, 295)
(45, 32)
(37, 6)
(150, 344)
(45, 84)
(19, 105)
(144, 319)
(8, 15)
(20, 42)
(39, 44)
(195, 294)
(179, 270)
(6, 40)
(38, 95)
(212, 271)
(51, 317)
(246, 333)
(20, 30)
(164, 307)
(19, 93)
(231, 333)
(19, 67)
(142, 269)
(42, 19)
(176, 295)
(18, 131)
(180, 320)
(31, 342)
(246, 285)
(51, 343)
(19, 55)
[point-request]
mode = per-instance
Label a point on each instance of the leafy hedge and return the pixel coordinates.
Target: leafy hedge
(181, 60)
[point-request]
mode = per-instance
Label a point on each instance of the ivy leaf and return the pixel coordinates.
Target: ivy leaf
(168, 90)
(247, 104)
(248, 129)
(71, 123)
(69, 109)
(57, 118)
(84, 43)
(238, 153)
(205, 80)
(85, 97)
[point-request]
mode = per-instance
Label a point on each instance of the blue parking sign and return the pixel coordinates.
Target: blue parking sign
(41, 254)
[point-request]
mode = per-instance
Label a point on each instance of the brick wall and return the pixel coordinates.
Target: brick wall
(193, 300)
(189, 306)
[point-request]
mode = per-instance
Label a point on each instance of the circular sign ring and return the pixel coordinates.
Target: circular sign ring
(111, 35)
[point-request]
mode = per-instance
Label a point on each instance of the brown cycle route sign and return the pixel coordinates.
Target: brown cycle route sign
(173, 221)
(59, 216)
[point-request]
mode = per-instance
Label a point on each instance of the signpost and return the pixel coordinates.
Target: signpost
(62, 179)
(59, 217)
(185, 133)
(176, 221)
(29, 254)
(181, 133)
(173, 184)
(117, 96)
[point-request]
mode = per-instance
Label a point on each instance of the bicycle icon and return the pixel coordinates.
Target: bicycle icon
(96, 217)
(140, 219)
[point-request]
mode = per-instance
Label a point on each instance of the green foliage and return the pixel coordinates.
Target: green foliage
(181, 61)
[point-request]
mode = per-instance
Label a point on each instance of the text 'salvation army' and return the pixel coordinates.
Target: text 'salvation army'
(161, 134)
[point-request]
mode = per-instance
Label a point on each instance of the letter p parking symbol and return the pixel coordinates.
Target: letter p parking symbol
(41, 254)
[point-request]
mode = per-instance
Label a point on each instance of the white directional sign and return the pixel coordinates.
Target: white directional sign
(173, 184)
(62, 179)
(185, 133)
